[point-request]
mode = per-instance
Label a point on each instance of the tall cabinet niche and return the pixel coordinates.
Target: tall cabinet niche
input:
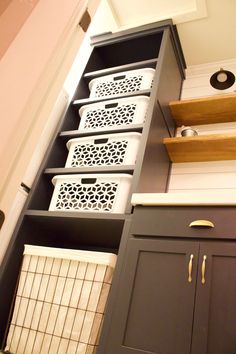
(155, 46)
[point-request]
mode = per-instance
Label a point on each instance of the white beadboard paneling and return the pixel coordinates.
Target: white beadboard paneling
(193, 181)
(214, 191)
(197, 83)
(202, 81)
(205, 197)
(204, 91)
(203, 167)
(210, 68)
(213, 176)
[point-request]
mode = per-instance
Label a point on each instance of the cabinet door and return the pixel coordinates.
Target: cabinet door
(154, 307)
(215, 309)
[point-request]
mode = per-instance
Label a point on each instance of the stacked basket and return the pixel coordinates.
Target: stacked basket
(104, 192)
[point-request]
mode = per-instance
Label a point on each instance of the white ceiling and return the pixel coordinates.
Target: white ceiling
(132, 12)
(206, 28)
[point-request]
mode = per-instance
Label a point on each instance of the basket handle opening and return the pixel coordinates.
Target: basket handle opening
(111, 105)
(100, 141)
(88, 180)
(121, 77)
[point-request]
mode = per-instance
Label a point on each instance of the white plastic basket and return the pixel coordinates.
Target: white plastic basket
(60, 301)
(103, 150)
(123, 82)
(91, 193)
(114, 113)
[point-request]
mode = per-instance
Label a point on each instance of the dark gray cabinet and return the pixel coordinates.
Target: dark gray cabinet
(154, 46)
(215, 307)
(174, 295)
(154, 305)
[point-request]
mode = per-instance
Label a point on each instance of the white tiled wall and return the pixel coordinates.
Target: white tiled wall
(202, 176)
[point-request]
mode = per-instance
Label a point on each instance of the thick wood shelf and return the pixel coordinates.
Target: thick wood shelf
(133, 66)
(91, 169)
(122, 129)
(214, 147)
(214, 109)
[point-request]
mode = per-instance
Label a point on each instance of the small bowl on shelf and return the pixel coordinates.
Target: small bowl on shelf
(188, 131)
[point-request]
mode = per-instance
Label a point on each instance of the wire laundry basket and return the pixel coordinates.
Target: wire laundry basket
(60, 301)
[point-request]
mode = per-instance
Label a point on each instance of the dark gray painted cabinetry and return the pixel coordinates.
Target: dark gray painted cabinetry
(157, 307)
(215, 307)
(154, 46)
(154, 306)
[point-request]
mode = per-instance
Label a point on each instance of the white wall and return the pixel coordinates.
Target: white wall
(103, 21)
(201, 176)
(32, 72)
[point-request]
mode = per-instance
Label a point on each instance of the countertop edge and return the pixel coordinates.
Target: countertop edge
(184, 199)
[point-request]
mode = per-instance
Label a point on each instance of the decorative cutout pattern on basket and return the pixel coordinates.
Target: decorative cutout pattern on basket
(128, 84)
(101, 118)
(98, 192)
(99, 155)
(96, 197)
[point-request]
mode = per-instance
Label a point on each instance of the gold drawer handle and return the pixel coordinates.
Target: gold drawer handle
(204, 269)
(204, 223)
(190, 268)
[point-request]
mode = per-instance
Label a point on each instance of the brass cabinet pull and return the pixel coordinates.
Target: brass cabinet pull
(190, 267)
(204, 269)
(204, 223)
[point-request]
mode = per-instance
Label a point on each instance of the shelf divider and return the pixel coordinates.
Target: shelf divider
(73, 215)
(85, 101)
(136, 65)
(122, 129)
(91, 169)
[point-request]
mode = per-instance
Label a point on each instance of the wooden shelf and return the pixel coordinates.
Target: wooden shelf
(214, 147)
(214, 109)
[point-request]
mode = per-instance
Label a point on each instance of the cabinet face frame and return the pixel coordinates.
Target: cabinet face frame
(121, 336)
(206, 334)
(215, 305)
(174, 221)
